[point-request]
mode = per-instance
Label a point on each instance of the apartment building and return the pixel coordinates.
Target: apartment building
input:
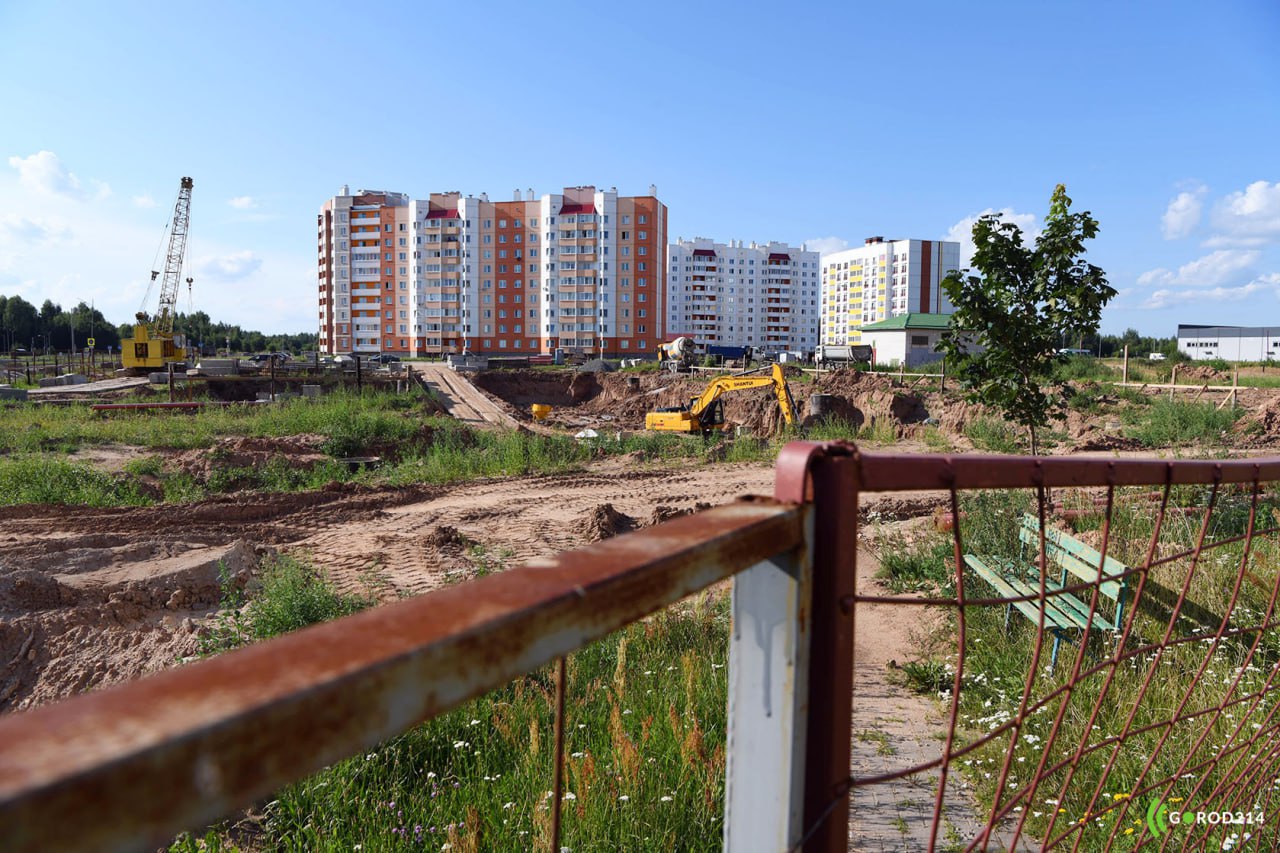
(743, 294)
(582, 270)
(882, 279)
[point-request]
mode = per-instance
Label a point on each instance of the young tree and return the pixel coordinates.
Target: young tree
(1020, 308)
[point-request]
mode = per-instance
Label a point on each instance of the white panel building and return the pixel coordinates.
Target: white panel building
(882, 279)
(762, 295)
(1232, 343)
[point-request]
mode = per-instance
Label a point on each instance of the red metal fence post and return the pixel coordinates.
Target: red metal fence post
(826, 474)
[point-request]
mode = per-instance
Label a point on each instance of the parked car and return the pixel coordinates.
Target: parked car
(382, 358)
(343, 359)
(1156, 356)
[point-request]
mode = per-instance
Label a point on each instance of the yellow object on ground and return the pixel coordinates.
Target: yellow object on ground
(540, 411)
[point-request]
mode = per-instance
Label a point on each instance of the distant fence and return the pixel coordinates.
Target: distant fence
(1167, 710)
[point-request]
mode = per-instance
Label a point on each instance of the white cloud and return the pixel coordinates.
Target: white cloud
(826, 245)
(144, 201)
(1248, 218)
(232, 267)
(1213, 269)
(242, 202)
(1165, 298)
(26, 230)
(1183, 214)
(962, 231)
(43, 171)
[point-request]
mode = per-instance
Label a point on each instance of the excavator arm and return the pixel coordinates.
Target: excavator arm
(704, 413)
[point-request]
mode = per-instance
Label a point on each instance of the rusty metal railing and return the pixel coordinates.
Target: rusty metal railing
(129, 767)
(1161, 728)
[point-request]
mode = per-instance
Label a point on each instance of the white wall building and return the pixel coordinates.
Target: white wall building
(882, 279)
(1232, 343)
(762, 295)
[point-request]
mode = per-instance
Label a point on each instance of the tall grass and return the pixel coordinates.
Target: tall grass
(644, 752)
(998, 661)
(32, 428)
(45, 480)
(993, 435)
(1168, 423)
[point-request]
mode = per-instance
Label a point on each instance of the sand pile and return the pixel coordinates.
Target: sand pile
(604, 522)
(104, 610)
(301, 451)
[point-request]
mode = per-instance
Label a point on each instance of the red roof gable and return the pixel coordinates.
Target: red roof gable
(778, 256)
(704, 253)
(443, 213)
(577, 208)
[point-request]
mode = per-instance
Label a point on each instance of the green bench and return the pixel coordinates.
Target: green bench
(1065, 614)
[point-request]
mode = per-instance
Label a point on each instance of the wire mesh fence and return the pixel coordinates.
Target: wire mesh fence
(1103, 654)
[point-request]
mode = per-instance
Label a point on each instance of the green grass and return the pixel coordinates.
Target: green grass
(1170, 423)
(292, 595)
(1078, 367)
(993, 435)
(47, 480)
(997, 663)
(644, 749)
(921, 564)
(33, 428)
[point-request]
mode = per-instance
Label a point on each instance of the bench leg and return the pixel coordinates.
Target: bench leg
(1053, 656)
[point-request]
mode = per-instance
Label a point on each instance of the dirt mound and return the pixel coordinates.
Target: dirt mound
(301, 451)
(446, 537)
(603, 522)
(1203, 372)
(97, 611)
(1260, 427)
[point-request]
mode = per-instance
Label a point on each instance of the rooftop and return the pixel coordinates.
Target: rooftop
(911, 321)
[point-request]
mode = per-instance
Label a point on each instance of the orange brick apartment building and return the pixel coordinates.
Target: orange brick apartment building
(583, 270)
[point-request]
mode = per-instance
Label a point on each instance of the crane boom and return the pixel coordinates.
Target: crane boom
(154, 343)
(163, 324)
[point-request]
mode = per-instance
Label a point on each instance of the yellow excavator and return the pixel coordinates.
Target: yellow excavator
(705, 413)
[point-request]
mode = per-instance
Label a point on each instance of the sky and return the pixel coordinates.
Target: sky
(822, 123)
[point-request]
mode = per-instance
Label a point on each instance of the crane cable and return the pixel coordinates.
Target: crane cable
(155, 261)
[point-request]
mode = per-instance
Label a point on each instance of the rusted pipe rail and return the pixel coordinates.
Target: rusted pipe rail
(128, 768)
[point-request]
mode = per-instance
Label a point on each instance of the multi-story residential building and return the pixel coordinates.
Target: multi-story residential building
(882, 279)
(580, 270)
(740, 294)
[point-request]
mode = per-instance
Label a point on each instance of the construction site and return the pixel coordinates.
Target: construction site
(94, 595)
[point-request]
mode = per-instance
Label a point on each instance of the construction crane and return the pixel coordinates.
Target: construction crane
(705, 413)
(154, 343)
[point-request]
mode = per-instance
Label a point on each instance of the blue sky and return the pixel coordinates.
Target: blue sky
(821, 122)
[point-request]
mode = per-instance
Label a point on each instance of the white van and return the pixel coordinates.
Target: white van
(1156, 356)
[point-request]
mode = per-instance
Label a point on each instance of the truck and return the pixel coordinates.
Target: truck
(829, 353)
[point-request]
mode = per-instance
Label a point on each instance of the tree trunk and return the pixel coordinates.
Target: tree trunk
(1034, 448)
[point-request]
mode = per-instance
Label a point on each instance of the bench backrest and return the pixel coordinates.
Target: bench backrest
(1076, 557)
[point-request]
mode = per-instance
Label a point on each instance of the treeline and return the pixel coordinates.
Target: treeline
(51, 327)
(209, 336)
(1113, 345)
